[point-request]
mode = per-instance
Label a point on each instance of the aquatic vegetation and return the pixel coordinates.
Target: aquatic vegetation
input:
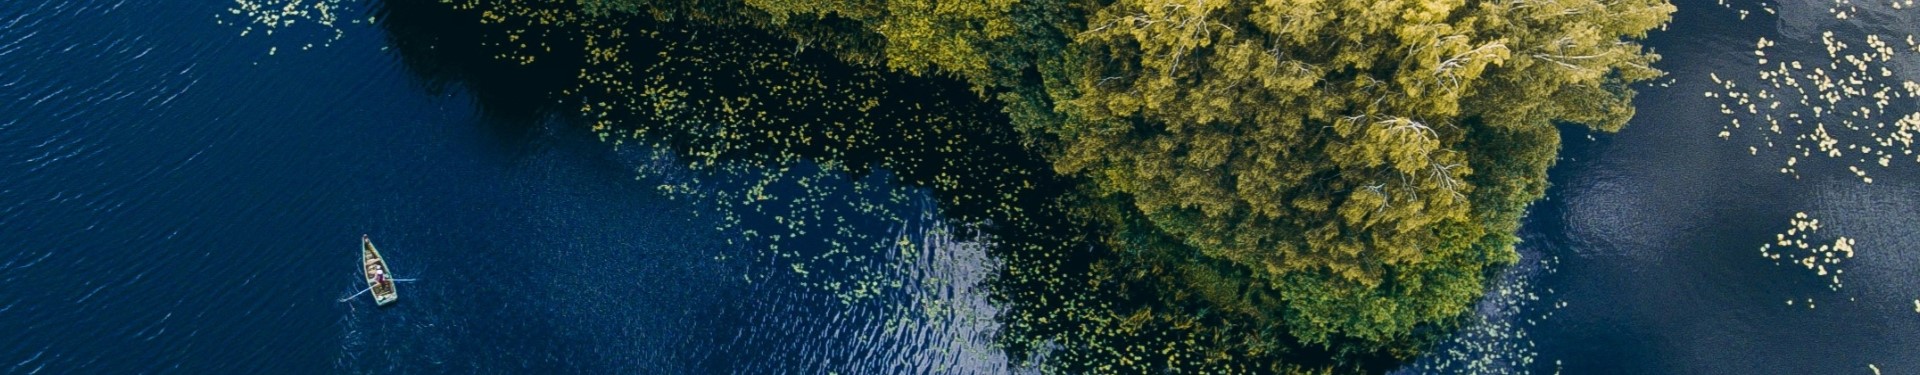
(1796, 246)
(1854, 108)
(1495, 339)
(1148, 217)
(1407, 156)
(268, 16)
(1851, 107)
(811, 165)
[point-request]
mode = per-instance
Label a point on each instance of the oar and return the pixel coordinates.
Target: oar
(362, 291)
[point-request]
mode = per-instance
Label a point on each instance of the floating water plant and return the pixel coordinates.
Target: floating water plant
(786, 148)
(1797, 246)
(1850, 107)
(1496, 339)
(268, 16)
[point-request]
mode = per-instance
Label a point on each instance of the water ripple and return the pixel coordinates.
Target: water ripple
(36, 356)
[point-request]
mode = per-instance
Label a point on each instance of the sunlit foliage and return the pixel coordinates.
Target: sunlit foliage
(1331, 146)
(1285, 179)
(1327, 146)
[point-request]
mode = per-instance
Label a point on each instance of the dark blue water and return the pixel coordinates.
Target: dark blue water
(178, 198)
(1660, 225)
(1644, 257)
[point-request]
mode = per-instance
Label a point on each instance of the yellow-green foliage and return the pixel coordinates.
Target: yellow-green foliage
(915, 36)
(1327, 144)
(1330, 173)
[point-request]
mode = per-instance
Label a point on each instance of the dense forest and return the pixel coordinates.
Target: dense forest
(1295, 185)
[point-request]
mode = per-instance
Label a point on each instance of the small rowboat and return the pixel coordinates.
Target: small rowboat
(379, 277)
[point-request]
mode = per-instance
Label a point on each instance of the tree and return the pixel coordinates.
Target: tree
(1325, 172)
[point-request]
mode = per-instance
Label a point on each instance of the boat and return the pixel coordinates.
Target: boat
(379, 277)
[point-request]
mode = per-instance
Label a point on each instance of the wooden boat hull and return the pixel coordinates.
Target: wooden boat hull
(379, 277)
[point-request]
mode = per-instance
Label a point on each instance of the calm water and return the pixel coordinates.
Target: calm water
(176, 197)
(1644, 256)
(180, 198)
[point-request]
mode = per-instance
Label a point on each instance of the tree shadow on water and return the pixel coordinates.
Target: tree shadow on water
(711, 95)
(686, 88)
(449, 54)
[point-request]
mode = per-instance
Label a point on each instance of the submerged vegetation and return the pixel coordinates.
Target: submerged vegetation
(1182, 186)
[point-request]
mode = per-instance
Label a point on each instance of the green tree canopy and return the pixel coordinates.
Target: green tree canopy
(1328, 144)
(1333, 171)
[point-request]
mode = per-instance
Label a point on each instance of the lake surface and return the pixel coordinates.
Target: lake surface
(181, 198)
(177, 197)
(1645, 255)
